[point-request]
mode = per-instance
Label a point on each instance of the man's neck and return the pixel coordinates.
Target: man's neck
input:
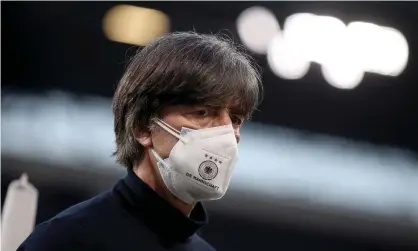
(151, 176)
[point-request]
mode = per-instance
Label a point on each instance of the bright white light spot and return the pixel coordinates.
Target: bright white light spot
(342, 70)
(363, 38)
(344, 52)
(256, 27)
(329, 33)
(380, 49)
(396, 54)
(340, 65)
(285, 59)
(342, 77)
(298, 31)
(315, 36)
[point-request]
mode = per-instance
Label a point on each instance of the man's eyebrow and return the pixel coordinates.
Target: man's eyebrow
(235, 109)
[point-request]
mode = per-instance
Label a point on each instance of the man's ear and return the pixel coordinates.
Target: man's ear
(143, 137)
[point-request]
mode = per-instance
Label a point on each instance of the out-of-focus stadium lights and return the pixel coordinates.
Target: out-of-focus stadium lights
(383, 50)
(342, 74)
(285, 59)
(344, 52)
(256, 27)
(317, 37)
(134, 25)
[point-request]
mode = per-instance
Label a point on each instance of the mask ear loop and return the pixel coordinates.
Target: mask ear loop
(170, 129)
(157, 156)
(167, 125)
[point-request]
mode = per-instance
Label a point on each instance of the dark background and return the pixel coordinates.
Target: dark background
(61, 45)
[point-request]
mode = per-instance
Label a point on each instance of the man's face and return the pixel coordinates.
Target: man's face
(194, 117)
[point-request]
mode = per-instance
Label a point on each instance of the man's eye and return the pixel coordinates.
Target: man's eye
(201, 113)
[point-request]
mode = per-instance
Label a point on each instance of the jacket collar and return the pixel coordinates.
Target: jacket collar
(158, 215)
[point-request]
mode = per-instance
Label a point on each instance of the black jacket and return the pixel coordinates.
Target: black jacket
(130, 217)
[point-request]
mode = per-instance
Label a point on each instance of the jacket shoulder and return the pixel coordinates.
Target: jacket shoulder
(67, 230)
(57, 234)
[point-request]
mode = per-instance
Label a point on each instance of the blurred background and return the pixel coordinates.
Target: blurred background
(329, 161)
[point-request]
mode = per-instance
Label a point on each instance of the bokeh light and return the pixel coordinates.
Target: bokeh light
(285, 60)
(134, 25)
(256, 27)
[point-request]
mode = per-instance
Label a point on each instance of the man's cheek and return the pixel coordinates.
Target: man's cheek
(166, 144)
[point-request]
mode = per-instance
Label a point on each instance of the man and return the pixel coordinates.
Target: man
(178, 111)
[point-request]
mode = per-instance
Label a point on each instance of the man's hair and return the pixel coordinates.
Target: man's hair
(182, 68)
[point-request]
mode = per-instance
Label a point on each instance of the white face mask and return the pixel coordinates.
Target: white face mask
(200, 164)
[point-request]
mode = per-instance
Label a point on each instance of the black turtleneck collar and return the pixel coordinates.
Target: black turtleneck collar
(158, 215)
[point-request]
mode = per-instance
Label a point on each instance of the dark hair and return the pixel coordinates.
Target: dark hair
(182, 68)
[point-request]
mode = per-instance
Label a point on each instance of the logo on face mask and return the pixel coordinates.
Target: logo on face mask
(208, 170)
